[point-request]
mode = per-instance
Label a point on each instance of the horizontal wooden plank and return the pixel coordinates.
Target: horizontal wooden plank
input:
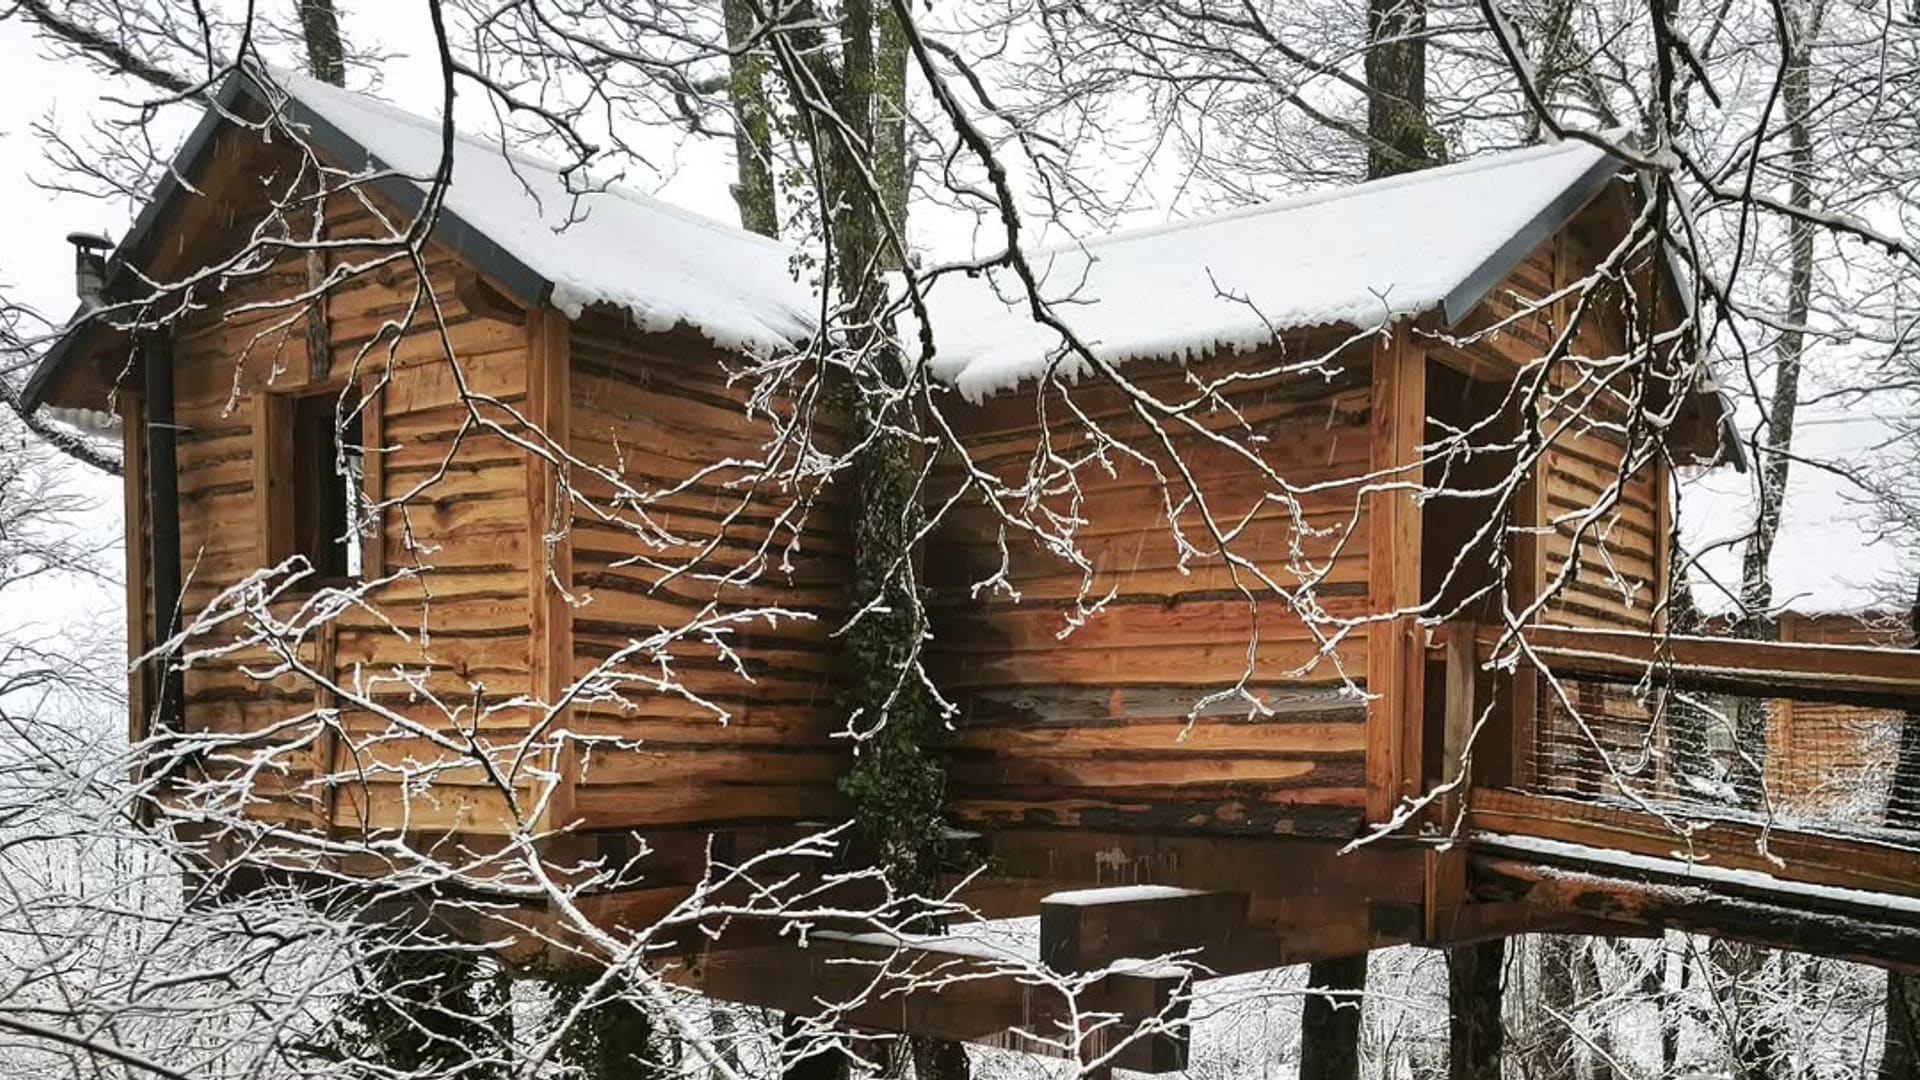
(1846, 674)
(1831, 860)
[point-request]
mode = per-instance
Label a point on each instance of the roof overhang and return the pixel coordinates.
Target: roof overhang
(1556, 215)
(243, 93)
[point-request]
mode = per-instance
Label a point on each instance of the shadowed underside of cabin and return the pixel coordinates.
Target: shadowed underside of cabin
(1223, 722)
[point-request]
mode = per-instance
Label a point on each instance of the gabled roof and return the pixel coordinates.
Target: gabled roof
(1437, 240)
(513, 216)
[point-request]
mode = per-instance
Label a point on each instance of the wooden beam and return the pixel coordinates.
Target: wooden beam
(1386, 872)
(1884, 938)
(549, 548)
(1812, 858)
(1396, 666)
(1843, 674)
(1483, 920)
(1089, 929)
(133, 478)
(485, 299)
(951, 988)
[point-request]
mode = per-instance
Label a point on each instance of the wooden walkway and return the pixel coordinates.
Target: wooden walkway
(1641, 794)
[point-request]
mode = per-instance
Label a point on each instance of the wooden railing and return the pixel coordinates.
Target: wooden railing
(1576, 736)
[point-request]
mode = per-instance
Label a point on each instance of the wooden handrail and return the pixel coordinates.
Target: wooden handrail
(1860, 863)
(1842, 674)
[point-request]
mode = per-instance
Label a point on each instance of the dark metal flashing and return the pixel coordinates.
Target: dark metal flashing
(84, 334)
(1553, 217)
(525, 284)
(1556, 215)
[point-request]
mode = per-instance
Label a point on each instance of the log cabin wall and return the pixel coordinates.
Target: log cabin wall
(659, 412)
(1617, 521)
(459, 525)
(1093, 730)
(1610, 504)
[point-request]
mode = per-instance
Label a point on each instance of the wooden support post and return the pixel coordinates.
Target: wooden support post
(133, 466)
(1475, 1034)
(1531, 519)
(1396, 664)
(1462, 712)
(549, 550)
(1330, 1019)
(1087, 930)
(319, 324)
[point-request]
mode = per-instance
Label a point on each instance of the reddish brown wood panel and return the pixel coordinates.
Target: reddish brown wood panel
(457, 525)
(1097, 727)
(674, 541)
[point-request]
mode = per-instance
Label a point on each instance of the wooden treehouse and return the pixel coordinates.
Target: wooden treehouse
(1439, 414)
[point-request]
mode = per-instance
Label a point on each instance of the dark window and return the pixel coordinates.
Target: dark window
(326, 470)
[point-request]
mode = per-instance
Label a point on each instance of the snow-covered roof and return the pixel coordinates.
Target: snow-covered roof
(663, 264)
(514, 215)
(1831, 555)
(1361, 256)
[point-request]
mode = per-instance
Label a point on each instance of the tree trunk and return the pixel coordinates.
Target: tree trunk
(320, 26)
(1552, 62)
(1330, 1019)
(1476, 1036)
(897, 784)
(1900, 1057)
(1399, 140)
(1755, 1038)
(1551, 1045)
(1756, 584)
(1400, 137)
(753, 191)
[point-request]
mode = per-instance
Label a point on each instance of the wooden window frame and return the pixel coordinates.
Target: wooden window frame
(274, 482)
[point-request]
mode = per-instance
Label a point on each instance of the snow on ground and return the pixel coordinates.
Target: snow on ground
(663, 264)
(1360, 255)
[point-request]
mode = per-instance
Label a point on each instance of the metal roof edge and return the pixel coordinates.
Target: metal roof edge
(1554, 216)
(527, 285)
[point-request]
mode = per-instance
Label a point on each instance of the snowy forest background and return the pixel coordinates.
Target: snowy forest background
(1786, 136)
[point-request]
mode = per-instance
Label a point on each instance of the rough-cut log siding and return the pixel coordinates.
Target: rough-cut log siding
(1617, 580)
(1092, 729)
(659, 411)
(464, 528)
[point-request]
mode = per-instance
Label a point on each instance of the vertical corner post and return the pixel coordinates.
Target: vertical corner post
(1396, 658)
(549, 548)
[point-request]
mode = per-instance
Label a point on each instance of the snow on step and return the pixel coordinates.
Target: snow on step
(1362, 256)
(1119, 894)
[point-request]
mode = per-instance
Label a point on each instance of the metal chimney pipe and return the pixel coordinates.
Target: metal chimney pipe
(90, 267)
